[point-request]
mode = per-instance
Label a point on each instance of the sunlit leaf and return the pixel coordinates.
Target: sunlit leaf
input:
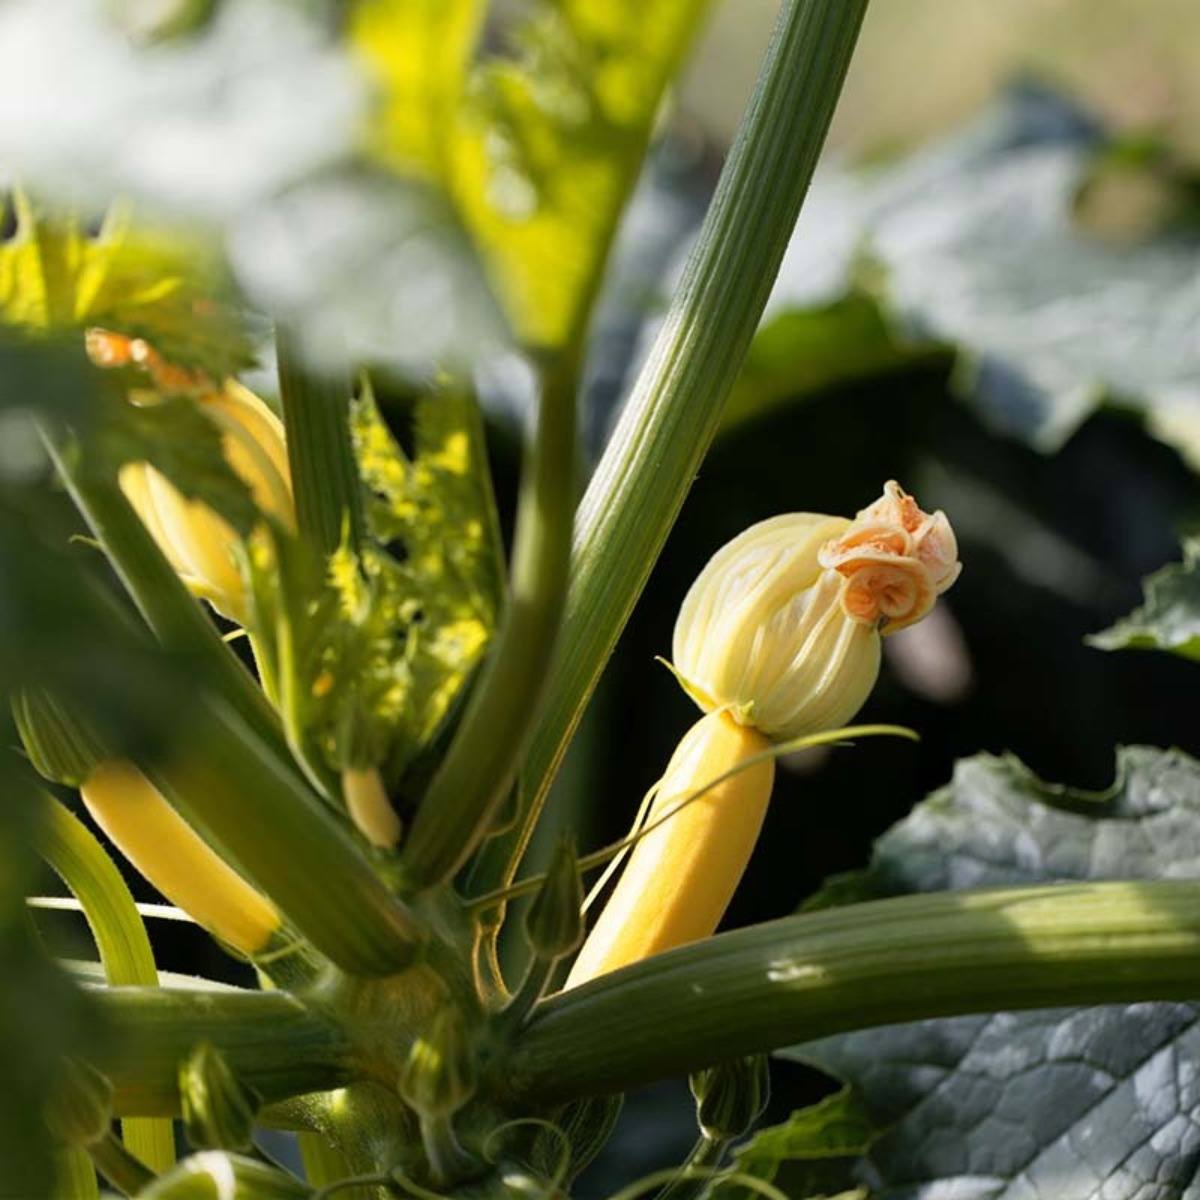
(419, 52)
(385, 640)
(979, 244)
(1073, 1104)
(1170, 617)
(547, 140)
(56, 277)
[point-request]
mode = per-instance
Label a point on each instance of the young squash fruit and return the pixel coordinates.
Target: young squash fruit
(778, 637)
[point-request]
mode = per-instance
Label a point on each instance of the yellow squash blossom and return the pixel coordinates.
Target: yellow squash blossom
(201, 546)
(778, 637)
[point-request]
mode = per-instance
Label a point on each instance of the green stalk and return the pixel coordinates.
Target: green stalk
(878, 963)
(673, 412)
(460, 805)
(260, 813)
(272, 1043)
(116, 926)
(316, 412)
(170, 610)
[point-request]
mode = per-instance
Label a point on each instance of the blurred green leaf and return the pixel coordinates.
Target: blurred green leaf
(546, 139)
(419, 52)
(1169, 619)
(1069, 1103)
(799, 352)
(983, 243)
(55, 277)
(812, 1152)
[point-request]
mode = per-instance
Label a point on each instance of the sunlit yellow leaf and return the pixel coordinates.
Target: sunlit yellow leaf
(418, 51)
(546, 138)
(550, 142)
(55, 276)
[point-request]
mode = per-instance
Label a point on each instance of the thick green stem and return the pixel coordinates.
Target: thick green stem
(121, 940)
(272, 1043)
(870, 964)
(259, 811)
(670, 418)
(325, 483)
(460, 806)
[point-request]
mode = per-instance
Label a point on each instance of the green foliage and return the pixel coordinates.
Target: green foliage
(164, 288)
(813, 1151)
(984, 244)
(540, 149)
(1068, 1102)
(378, 646)
(1169, 619)
(798, 352)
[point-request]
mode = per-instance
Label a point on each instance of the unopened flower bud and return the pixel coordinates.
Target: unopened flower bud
(80, 1110)
(782, 626)
(62, 747)
(199, 544)
(554, 922)
(213, 1173)
(731, 1097)
(218, 1111)
(439, 1076)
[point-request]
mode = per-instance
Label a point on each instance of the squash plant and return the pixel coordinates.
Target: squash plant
(340, 778)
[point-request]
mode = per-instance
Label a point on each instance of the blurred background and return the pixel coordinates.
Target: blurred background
(1031, 366)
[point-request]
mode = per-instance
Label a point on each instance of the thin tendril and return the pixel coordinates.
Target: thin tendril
(564, 1163)
(617, 859)
(673, 1174)
(401, 1180)
(588, 862)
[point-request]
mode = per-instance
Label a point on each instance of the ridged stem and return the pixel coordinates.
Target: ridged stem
(888, 961)
(272, 1043)
(316, 413)
(460, 805)
(675, 407)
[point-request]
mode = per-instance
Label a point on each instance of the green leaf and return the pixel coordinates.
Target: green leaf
(541, 146)
(419, 52)
(397, 626)
(1069, 1103)
(1169, 619)
(54, 277)
(799, 352)
(979, 243)
(551, 141)
(813, 1150)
